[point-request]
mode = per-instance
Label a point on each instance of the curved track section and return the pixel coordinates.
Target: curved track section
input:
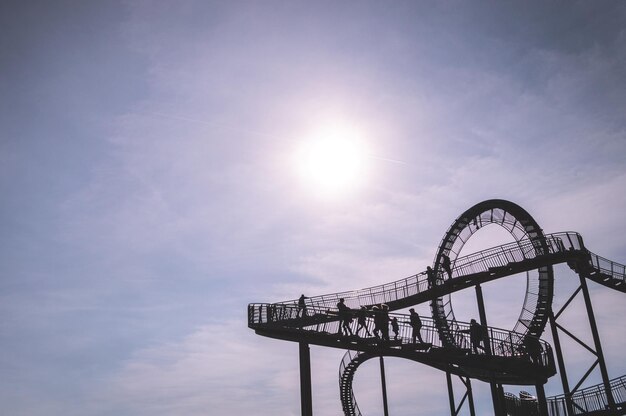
(508, 363)
(502, 359)
(446, 341)
(587, 401)
(522, 227)
(347, 369)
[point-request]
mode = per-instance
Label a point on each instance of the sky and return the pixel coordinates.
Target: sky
(150, 167)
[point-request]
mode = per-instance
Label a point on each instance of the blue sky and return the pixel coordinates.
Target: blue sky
(147, 168)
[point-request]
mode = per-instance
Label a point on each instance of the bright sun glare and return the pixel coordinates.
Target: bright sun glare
(332, 160)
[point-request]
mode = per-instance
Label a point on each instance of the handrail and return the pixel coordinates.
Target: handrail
(482, 261)
(587, 400)
(606, 266)
(323, 321)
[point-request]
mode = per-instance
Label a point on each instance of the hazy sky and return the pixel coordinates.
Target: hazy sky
(148, 167)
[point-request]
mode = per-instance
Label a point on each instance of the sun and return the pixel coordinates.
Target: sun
(332, 160)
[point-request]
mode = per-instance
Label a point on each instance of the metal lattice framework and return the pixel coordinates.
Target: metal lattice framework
(524, 229)
(513, 357)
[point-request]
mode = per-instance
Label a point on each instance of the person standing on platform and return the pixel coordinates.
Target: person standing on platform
(395, 328)
(445, 264)
(416, 324)
(476, 336)
(432, 278)
(362, 321)
(377, 327)
(344, 317)
(384, 322)
(301, 306)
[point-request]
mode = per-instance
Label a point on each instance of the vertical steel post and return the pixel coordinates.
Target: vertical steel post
(542, 403)
(483, 316)
(561, 361)
(306, 401)
(384, 385)
(470, 396)
(496, 389)
(598, 345)
(450, 394)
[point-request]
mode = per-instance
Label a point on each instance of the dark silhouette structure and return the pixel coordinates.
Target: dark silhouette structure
(467, 351)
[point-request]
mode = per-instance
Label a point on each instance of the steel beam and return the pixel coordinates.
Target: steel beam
(306, 401)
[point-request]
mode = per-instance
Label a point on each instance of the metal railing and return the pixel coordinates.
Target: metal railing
(326, 322)
(615, 270)
(482, 261)
(590, 399)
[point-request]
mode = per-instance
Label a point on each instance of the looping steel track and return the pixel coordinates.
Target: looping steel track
(447, 346)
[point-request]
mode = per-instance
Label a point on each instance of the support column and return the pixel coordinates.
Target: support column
(306, 401)
(384, 384)
(561, 362)
(483, 317)
(496, 389)
(470, 396)
(542, 403)
(598, 345)
(450, 394)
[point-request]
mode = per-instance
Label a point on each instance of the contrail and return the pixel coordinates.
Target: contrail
(386, 159)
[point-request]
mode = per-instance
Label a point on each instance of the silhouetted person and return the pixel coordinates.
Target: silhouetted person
(476, 335)
(301, 306)
(344, 317)
(416, 324)
(445, 264)
(377, 317)
(362, 321)
(384, 322)
(394, 327)
(533, 348)
(432, 278)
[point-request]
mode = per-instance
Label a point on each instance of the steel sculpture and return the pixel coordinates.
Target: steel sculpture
(512, 357)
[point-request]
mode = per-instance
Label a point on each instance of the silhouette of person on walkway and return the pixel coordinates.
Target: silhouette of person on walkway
(301, 306)
(394, 327)
(384, 322)
(381, 322)
(416, 324)
(344, 318)
(432, 278)
(445, 264)
(362, 321)
(377, 327)
(476, 335)
(533, 348)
